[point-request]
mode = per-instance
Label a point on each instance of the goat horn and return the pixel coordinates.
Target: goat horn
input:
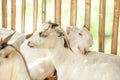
(49, 21)
(28, 36)
(7, 39)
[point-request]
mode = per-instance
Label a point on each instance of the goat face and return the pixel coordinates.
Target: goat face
(47, 36)
(80, 39)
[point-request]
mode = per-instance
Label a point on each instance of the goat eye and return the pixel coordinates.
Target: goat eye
(40, 34)
(3, 45)
(6, 56)
(80, 34)
(44, 35)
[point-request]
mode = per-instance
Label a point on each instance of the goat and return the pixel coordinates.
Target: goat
(79, 39)
(12, 62)
(38, 61)
(70, 66)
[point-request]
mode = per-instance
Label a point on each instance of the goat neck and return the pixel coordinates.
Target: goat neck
(60, 54)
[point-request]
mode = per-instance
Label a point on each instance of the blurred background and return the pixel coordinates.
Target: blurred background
(66, 18)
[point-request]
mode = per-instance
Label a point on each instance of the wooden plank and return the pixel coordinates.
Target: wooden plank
(87, 13)
(58, 11)
(115, 27)
(35, 15)
(23, 16)
(73, 13)
(43, 11)
(102, 25)
(13, 14)
(4, 13)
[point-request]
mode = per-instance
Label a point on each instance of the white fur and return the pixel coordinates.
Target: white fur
(70, 66)
(80, 39)
(14, 66)
(17, 39)
(38, 60)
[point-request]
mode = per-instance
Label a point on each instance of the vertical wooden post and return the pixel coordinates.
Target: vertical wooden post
(35, 15)
(13, 14)
(87, 13)
(58, 11)
(23, 16)
(73, 13)
(43, 11)
(115, 27)
(4, 13)
(102, 25)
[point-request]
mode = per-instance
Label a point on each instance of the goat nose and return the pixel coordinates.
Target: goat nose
(30, 44)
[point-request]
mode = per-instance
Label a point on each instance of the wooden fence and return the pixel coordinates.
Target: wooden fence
(73, 17)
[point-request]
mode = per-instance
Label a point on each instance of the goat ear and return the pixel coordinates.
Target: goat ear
(85, 27)
(7, 39)
(69, 29)
(48, 21)
(54, 25)
(65, 43)
(29, 35)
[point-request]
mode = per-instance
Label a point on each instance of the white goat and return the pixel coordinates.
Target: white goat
(12, 63)
(38, 60)
(79, 39)
(70, 66)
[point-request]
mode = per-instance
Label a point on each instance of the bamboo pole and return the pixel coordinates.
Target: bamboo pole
(35, 15)
(87, 13)
(58, 11)
(102, 25)
(73, 13)
(23, 16)
(13, 14)
(43, 11)
(4, 13)
(115, 27)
